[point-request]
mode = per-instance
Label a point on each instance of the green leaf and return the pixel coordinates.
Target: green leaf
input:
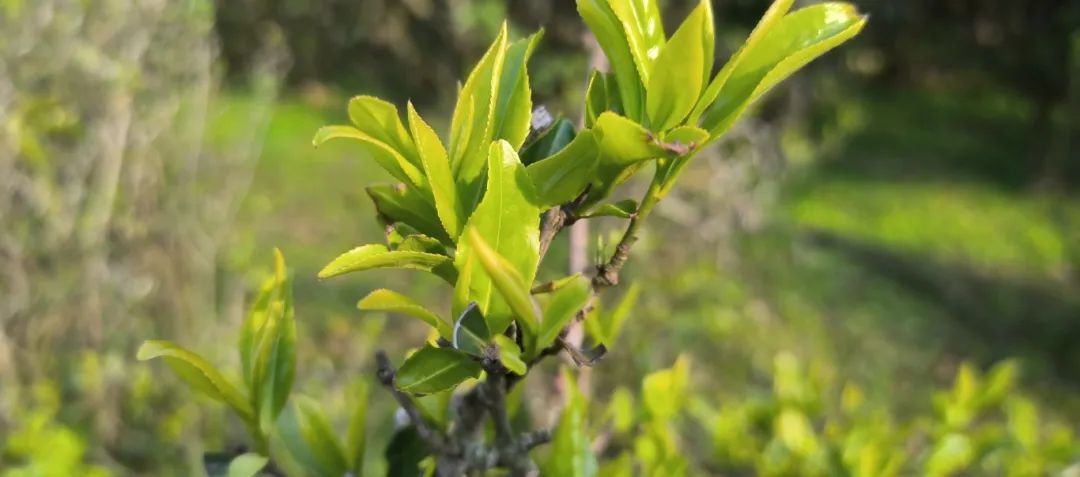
(404, 453)
(510, 355)
(555, 285)
(387, 157)
(571, 455)
(380, 120)
(596, 98)
(318, 435)
(367, 257)
(274, 351)
(790, 44)
(553, 140)
(624, 142)
(664, 391)
(247, 465)
(509, 218)
(473, 124)
(198, 374)
(356, 435)
(511, 287)
(607, 28)
(644, 30)
(681, 70)
(562, 177)
(610, 324)
(431, 370)
(394, 302)
(436, 163)
(513, 109)
(623, 209)
(773, 14)
(471, 334)
(257, 317)
(398, 204)
(565, 302)
(421, 243)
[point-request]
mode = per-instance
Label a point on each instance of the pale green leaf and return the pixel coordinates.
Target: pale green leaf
(394, 302)
(473, 123)
(511, 287)
(664, 391)
(563, 305)
(624, 142)
(431, 370)
(510, 355)
(449, 205)
(794, 40)
(198, 374)
(274, 351)
(613, 322)
(562, 177)
(681, 70)
(513, 109)
(318, 434)
(387, 157)
(247, 465)
(367, 257)
(609, 33)
(571, 455)
(623, 209)
(380, 120)
(644, 30)
(509, 220)
(596, 98)
(356, 435)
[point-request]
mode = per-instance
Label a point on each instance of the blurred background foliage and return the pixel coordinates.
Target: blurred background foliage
(906, 205)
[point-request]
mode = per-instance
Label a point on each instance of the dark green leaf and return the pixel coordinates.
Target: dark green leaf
(562, 177)
(681, 70)
(605, 25)
(198, 374)
(552, 141)
(431, 370)
(391, 301)
(387, 157)
(367, 257)
(436, 164)
(397, 204)
(471, 334)
(509, 217)
(565, 302)
(405, 453)
(511, 287)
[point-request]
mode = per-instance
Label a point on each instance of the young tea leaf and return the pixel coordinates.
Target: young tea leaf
(247, 465)
(513, 108)
(510, 355)
(198, 374)
(644, 30)
(436, 164)
(471, 334)
(356, 435)
(565, 302)
(570, 454)
(681, 70)
(387, 157)
(431, 370)
(394, 302)
(511, 287)
(319, 437)
(380, 120)
(562, 177)
(396, 204)
(608, 30)
(553, 140)
(367, 257)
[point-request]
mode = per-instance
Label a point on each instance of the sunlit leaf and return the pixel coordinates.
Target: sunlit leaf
(247, 465)
(367, 257)
(319, 437)
(511, 287)
(471, 334)
(198, 374)
(664, 391)
(791, 43)
(274, 351)
(623, 141)
(431, 370)
(564, 304)
(473, 124)
(681, 70)
(387, 157)
(380, 120)
(436, 163)
(644, 30)
(611, 324)
(394, 302)
(513, 109)
(510, 221)
(623, 209)
(562, 177)
(607, 28)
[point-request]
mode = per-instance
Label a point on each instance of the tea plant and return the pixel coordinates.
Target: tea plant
(479, 208)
